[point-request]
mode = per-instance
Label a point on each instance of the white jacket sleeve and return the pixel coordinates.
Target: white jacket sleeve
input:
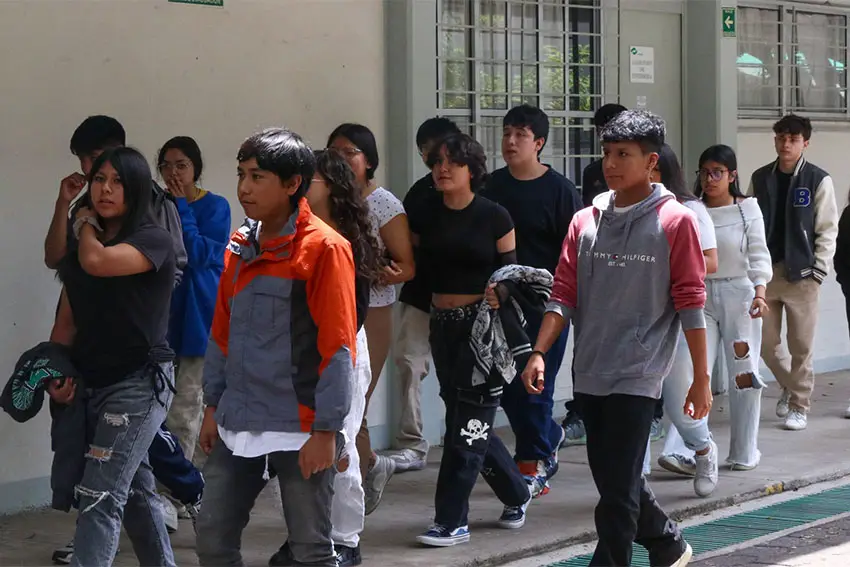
(760, 269)
(826, 228)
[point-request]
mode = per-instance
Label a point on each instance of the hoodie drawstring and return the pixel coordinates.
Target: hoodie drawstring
(266, 475)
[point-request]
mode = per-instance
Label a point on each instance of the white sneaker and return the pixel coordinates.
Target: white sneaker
(705, 480)
(796, 421)
(685, 558)
(407, 460)
(782, 408)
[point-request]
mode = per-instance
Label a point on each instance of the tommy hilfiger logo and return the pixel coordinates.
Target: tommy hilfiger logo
(620, 260)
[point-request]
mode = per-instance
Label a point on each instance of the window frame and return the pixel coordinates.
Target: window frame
(482, 122)
(787, 42)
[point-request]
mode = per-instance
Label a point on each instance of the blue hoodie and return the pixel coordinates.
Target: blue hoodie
(206, 231)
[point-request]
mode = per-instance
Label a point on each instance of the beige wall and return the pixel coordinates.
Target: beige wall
(828, 149)
(163, 69)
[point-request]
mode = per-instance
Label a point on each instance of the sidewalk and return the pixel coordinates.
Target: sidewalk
(565, 515)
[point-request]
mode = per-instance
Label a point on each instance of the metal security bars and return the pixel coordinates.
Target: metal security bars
(792, 58)
(494, 54)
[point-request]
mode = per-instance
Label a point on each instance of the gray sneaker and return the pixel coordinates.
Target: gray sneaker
(574, 433)
(706, 477)
(656, 432)
(679, 464)
(407, 460)
(376, 480)
(782, 407)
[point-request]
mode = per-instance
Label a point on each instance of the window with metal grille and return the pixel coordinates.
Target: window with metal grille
(792, 58)
(493, 55)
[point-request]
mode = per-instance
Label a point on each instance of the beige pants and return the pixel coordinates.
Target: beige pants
(412, 359)
(184, 417)
(792, 367)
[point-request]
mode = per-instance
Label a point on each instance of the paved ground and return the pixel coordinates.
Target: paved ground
(556, 520)
(827, 545)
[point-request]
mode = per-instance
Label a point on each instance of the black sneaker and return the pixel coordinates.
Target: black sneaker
(283, 557)
(64, 554)
(345, 556)
(348, 556)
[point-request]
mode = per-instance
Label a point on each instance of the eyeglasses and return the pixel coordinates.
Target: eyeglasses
(349, 153)
(713, 174)
(180, 166)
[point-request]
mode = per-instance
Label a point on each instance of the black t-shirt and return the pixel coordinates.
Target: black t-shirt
(362, 285)
(776, 246)
(458, 248)
(419, 200)
(592, 182)
(122, 322)
(541, 209)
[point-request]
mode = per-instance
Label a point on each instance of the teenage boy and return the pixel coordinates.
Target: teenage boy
(93, 136)
(280, 361)
(412, 347)
(542, 203)
(592, 184)
(797, 199)
(630, 277)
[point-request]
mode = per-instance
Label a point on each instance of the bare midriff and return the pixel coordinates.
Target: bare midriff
(452, 300)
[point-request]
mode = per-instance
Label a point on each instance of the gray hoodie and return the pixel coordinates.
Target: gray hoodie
(629, 280)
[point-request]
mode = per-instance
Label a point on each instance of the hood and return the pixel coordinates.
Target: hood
(612, 222)
(245, 241)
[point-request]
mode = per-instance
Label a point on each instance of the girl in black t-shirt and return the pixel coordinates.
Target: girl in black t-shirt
(463, 239)
(118, 281)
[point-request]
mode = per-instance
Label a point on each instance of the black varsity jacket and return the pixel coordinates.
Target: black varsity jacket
(811, 218)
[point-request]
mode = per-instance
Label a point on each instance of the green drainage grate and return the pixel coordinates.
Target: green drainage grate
(746, 526)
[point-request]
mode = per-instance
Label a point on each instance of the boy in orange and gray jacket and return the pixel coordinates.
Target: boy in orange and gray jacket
(280, 362)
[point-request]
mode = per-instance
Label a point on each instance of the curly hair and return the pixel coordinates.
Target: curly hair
(350, 212)
(462, 149)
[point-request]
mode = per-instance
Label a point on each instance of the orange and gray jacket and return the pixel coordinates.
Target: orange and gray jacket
(282, 344)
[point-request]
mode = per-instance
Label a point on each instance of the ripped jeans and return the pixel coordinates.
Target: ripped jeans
(118, 482)
(729, 328)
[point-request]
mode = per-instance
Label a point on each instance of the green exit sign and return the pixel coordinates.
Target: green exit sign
(201, 2)
(728, 22)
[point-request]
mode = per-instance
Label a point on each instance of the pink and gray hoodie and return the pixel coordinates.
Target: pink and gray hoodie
(629, 281)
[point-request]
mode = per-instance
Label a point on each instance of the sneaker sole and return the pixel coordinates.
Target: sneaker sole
(737, 467)
(669, 466)
(685, 558)
(442, 541)
(511, 525)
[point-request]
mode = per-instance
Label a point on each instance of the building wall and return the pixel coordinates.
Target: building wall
(163, 69)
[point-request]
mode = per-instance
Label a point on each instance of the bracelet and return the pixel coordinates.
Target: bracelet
(540, 352)
(759, 297)
(78, 225)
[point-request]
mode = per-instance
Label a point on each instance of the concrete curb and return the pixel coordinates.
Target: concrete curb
(680, 514)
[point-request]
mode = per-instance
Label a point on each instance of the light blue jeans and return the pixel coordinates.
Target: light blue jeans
(728, 322)
(118, 482)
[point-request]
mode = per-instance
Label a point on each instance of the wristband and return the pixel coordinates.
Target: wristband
(759, 297)
(78, 225)
(540, 352)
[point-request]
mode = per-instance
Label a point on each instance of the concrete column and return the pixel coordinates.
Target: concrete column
(710, 80)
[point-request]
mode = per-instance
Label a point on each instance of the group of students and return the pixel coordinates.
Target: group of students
(280, 331)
